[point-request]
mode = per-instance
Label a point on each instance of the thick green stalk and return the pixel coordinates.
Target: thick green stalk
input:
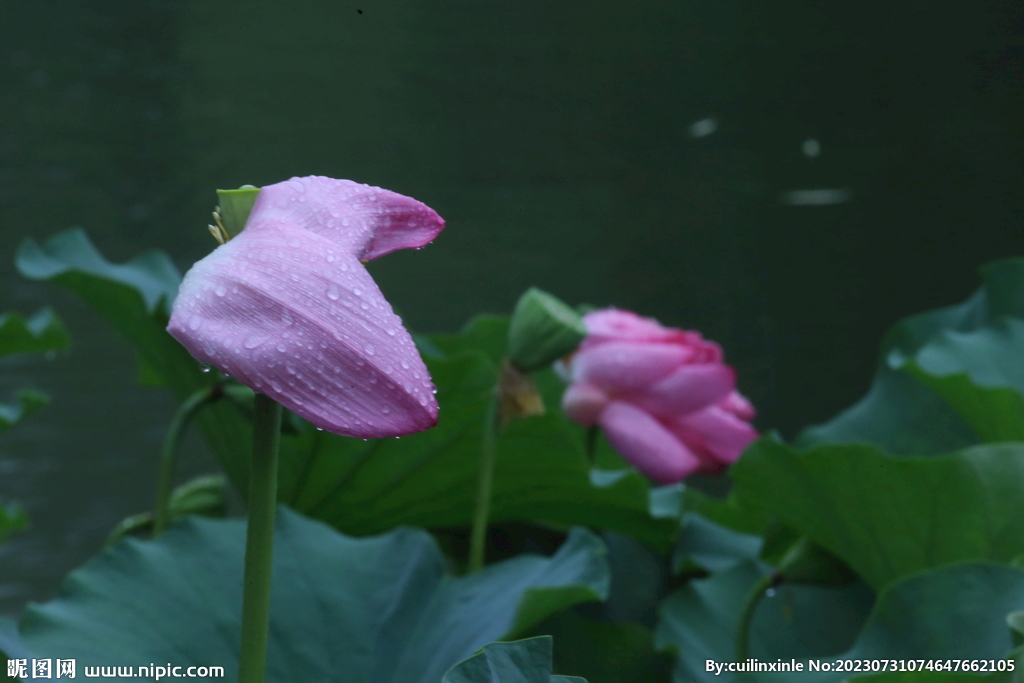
(747, 617)
(259, 541)
(485, 483)
(169, 452)
(591, 444)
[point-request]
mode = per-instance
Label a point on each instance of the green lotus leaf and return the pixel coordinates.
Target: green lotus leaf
(374, 609)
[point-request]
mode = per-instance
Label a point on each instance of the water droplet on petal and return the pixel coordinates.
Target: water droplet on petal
(405, 364)
(253, 342)
(357, 291)
(386, 410)
(193, 324)
(282, 348)
(345, 222)
(221, 290)
(332, 290)
(369, 350)
(204, 367)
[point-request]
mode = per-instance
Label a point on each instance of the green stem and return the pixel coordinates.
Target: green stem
(259, 541)
(169, 452)
(485, 483)
(591, 443)
(749, 607)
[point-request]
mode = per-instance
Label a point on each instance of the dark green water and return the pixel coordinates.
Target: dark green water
(640, 154)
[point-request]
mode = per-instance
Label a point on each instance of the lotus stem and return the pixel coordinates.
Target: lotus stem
(169, 452)
(591, 444)
(747, 616)
(259, 541)
(485, 484)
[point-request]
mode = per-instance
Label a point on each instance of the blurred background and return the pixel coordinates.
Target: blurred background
(790, 178)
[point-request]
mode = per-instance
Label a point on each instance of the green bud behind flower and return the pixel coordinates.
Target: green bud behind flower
(234, 209)
(543, 330)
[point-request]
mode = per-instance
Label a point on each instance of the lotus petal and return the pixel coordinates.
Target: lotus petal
(647, 444)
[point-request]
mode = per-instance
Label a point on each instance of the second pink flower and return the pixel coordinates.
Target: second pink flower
(663, 397)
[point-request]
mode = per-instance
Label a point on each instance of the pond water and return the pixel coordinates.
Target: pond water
(789, 178)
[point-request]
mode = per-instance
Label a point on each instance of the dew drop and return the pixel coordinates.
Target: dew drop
(365, 306)
(330, 258)
(392, 331)
(345, 222)
(386, 410)
(332, 291)
(204, 367)
(357, 291)
(282, 348)
(405, 364)
(252, 342)
(193, 324)
(221, 290)
(369, 350)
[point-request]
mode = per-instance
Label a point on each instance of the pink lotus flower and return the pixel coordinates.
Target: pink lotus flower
(287, 308)
(662, 396)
